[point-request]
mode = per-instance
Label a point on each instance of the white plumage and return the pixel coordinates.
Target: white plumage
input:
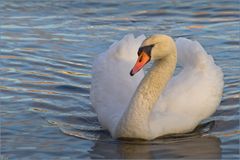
(189, 97)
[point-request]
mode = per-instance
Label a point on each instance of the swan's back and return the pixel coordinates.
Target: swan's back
(192, 95)
(112, 86)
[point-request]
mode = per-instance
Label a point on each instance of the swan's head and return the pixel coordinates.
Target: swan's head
(153, 48)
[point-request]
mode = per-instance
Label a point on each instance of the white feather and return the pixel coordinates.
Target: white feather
(188, 98)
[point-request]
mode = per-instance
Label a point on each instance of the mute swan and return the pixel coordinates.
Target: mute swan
(156, 104)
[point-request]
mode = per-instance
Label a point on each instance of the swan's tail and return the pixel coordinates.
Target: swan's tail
(191, 54)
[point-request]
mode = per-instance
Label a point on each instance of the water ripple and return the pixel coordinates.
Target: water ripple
(47, 49)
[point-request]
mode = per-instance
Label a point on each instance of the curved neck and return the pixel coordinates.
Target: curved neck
(135, 121)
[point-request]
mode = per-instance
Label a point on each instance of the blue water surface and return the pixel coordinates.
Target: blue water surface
(46, 54)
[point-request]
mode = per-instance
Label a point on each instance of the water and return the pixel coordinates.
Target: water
(47, 48)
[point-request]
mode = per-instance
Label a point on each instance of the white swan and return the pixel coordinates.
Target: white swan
(156, 104)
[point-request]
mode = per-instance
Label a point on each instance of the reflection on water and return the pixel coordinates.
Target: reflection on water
(46, 52)
(193, 148)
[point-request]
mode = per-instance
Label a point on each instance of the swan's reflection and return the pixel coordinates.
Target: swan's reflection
(191, 145)
(190, 148)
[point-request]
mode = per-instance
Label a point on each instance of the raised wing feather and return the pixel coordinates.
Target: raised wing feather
(190, 96)
(112, 86)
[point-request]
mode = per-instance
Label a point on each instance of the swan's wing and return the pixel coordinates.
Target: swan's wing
(112, 87)
(195, 92)
(199, 85)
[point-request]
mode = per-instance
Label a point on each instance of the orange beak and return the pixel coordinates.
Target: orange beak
(143, 59)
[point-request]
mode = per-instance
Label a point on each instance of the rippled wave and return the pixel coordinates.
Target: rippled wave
(47, 48)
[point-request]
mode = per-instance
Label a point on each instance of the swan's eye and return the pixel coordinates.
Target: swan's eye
(146, 49)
